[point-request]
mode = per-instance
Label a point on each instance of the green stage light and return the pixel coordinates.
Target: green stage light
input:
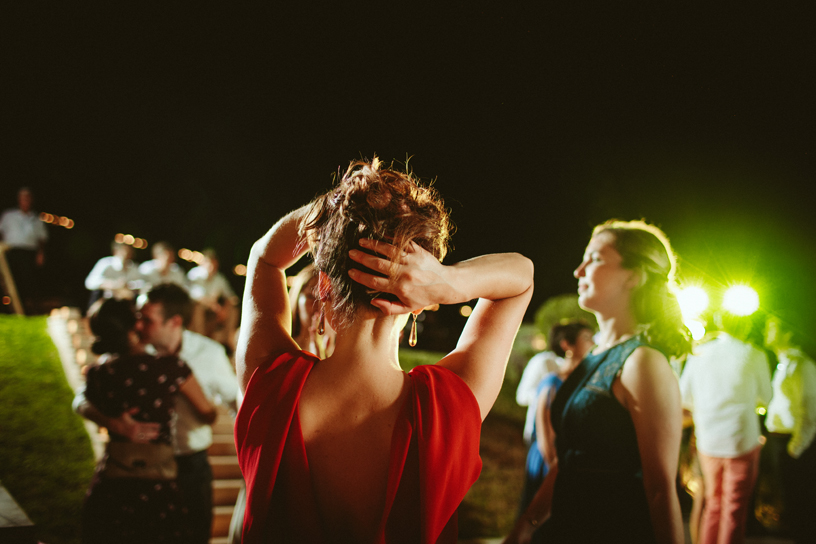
(693, 301)
(741, 300)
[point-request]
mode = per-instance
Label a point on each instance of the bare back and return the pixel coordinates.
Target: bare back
(347, 427)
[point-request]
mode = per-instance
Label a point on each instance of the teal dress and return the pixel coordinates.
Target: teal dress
(599, 494)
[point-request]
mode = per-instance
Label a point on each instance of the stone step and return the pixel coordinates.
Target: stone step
(225, 467)
(223, 444)
(223, 427)
(222, 515)
(225, 492)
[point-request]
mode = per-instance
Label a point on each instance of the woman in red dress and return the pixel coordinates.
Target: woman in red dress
(351, 448)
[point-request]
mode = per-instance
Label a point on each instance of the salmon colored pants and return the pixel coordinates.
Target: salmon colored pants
(729, 484)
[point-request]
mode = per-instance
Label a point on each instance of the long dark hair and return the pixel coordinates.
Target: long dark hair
(646, 248)
(371, 201)
(111, 321)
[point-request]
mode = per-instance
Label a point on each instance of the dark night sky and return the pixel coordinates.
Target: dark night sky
(202, 125)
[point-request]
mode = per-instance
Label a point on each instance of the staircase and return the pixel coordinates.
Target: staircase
(73, 339)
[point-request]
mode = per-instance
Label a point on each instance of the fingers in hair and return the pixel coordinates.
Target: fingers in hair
(371, 262)
(369, 280)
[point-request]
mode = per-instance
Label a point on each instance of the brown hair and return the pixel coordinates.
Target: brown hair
(370, 201)
(174, 300)
(569, 331)
(646, 248)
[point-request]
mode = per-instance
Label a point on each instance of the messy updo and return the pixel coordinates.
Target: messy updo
(111, 321)
(370, 201)
(645, 248)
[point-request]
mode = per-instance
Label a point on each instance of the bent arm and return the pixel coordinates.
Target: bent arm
(192, 390)
(652, 396)
(123, 425)
(503, 283)
(545, 438)
(265, 317)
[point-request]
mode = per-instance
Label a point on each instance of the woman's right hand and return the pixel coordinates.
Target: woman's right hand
(414, 276)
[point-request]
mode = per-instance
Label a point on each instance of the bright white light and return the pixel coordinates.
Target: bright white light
(693, 301)
(741, 300)
(696, 328)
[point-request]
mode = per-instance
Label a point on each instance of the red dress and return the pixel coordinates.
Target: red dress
(434, 457)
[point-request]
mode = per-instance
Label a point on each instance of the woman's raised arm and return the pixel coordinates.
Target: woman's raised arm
(503, 283)
(266, 317)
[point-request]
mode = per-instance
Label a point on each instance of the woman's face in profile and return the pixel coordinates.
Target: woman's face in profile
(602, 281)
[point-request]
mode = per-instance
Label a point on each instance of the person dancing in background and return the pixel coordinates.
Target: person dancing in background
(617, 418)
(134, 497)
(570, 342)
(351, 448)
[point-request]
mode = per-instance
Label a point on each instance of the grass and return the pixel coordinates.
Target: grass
(46, 459)
(490, 507)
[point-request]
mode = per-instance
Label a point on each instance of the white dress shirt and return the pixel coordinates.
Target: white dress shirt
(213, 371)
(792, 409)
(204, 287)
(152, 275)
(112, 269)
(22, 230)
(722, 384)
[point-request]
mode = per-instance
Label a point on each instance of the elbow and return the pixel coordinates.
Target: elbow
(210, 415)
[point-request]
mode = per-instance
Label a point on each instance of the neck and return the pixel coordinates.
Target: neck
(370, 344)
(173, 347)
(568, 366)
(615, 329)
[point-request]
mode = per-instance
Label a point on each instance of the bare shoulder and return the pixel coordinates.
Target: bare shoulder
(645, 363)
(646, 374)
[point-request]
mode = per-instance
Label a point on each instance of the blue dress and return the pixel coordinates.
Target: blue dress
(599, 494)
(536, 467)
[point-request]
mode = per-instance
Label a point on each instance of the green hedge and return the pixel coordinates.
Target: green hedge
(46, 459)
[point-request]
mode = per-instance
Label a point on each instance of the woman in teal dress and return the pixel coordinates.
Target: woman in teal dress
(617, 418)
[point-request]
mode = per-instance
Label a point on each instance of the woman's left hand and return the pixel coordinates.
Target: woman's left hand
(414, 276)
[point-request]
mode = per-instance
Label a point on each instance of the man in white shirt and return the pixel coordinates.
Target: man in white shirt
(791, 422)
(162, 268)
(24, 236)
(114, 276)
(161, 324)
(722, 385)
(216, 311)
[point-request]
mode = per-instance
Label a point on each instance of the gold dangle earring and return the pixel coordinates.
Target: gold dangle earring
(569, 354)
(412, 338)
(321, 323)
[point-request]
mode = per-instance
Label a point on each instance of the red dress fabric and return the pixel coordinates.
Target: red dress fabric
(434, 457)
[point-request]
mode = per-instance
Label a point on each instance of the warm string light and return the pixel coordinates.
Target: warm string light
(57, 220)
(129, 239)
